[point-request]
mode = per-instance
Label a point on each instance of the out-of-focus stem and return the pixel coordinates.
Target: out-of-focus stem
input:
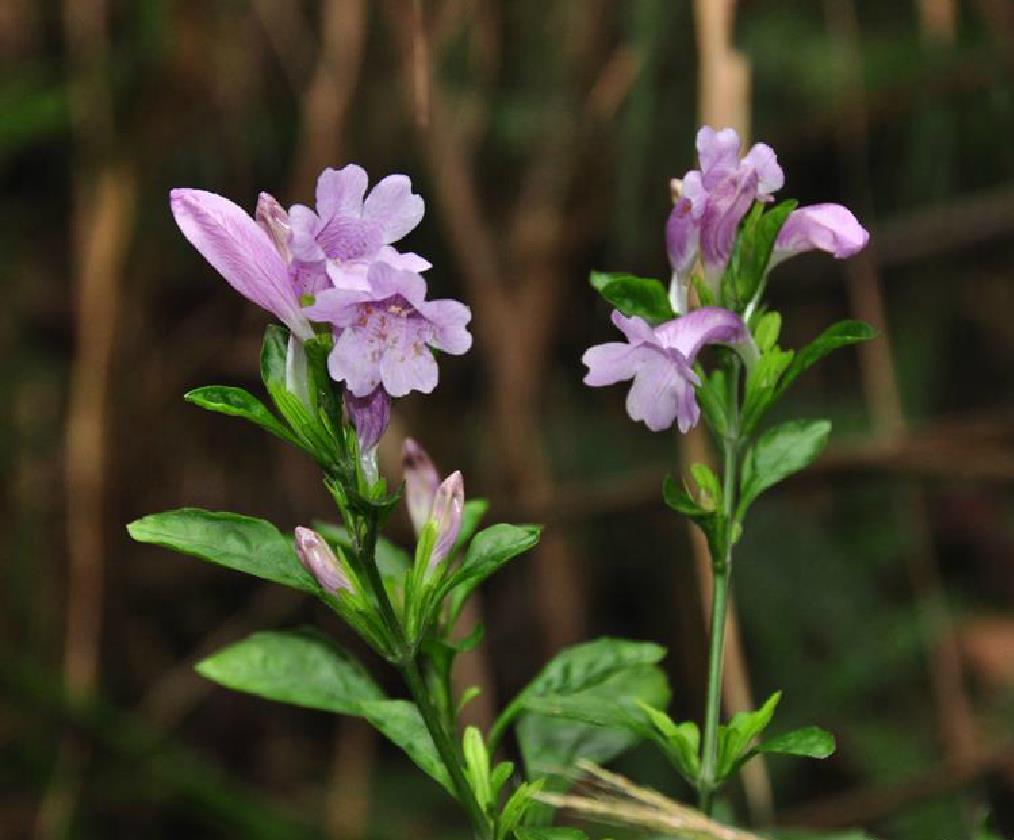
(721, 568)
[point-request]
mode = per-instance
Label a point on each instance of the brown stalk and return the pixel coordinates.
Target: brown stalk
(955, 718)
(103, 199)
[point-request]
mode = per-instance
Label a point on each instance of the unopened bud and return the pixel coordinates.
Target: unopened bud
(448, 504)
(370, 416)
(320, 561)
(274, 220)
(421, 482)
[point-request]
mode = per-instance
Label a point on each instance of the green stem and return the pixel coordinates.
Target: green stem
(445, 747)
(409, 667)
(721, 568)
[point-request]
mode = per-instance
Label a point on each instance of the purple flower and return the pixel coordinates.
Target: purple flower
(383, 333)
(421, 482)
(660, 361)
(347, 232)
(432, 500)
(242, 252)
(370, 416)
(319, 560)
(827, 227)
(711, 204)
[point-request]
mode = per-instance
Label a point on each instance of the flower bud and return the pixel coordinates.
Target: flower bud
(448, 504)
(273, 219)
(370, 416)
(320, 561)
(421, 482)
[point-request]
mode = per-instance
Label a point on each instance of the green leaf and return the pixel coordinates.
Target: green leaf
(237, 542)
(644, 297)
(477, 766)
(809, 742)
(710, 521)
(681, 742)
(299, 667)
(489, 550)
(710, 486)
(837, 335)
(762, 386)
(777, 454)
(734, 739)
(273, 355)
(237, 402)
(751, 253)
(614, 702)
(765, 334)
(550, 745)
(515, 807)
(401, 722)
(711, 398)
(549, 833)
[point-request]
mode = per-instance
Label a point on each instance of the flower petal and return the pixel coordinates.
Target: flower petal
(240, 251)
(611, 363)
(352, 361)
(349, 238)
(303, 243)
(727, 205)
(421, 482)
(718, 152)
(652, 397)
(392, 203)
(407, 261)
(370, 416)
(706, 325)
(828, 227)
(386, 281)
(763, 160)
(340, 191)
(635, 328)
(408, 366)
(448, 319)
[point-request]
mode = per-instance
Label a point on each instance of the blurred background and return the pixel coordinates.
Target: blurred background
(875, 590)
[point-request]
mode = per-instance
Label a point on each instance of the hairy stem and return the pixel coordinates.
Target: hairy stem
(721, 567)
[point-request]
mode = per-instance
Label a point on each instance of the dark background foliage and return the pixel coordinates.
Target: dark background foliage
(875, 590)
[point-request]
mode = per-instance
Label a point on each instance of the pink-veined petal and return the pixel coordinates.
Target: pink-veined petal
(392, 203)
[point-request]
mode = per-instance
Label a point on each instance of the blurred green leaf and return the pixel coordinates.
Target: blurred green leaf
(808, 742)
(643, 297)
(237, 542)
(735, 737)
(303, 668)
(777, 454)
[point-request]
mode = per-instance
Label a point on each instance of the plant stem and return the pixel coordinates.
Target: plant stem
(721, 568)
(409, 667)
(445, 747)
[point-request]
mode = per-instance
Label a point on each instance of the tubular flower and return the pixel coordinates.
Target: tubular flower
(383, 334)
(347, 233)
(826, 227)
(242, 252)
(711, 204)
(660, 362)
(432, 500)
(421, 482)
(320, 561)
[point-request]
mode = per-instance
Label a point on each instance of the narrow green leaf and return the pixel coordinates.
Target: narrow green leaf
(777, 454)
(644, 297)
(236, 402)
(299, 667)
(765, 334)
(710, 486)
(681, 742)
(837, 335)
(734, 739)
(237, 542)
(751, 253)
(711, 398)
(489, 550)
(477, 766)
(809, 742)
(401, 722)
(549, 833)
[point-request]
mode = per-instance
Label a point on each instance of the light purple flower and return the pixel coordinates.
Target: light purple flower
(448, 504)
(370, 416)
(319, 560)
(660, 361)
(242, 252)
(347, 232)
(421, 482)
(711, 204)
(827, 227)
(383, 333)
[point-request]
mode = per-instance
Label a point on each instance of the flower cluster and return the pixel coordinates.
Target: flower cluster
(713, 200)
(336, 266)
(701, 231)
